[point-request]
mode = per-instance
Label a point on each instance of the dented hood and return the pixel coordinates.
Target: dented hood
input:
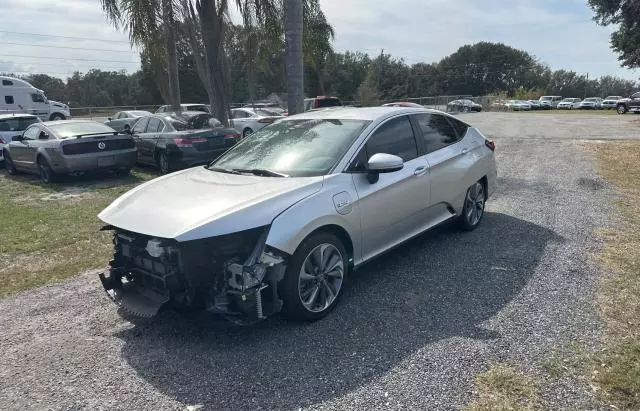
(198, 203)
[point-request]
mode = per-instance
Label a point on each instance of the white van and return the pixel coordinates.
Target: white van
(18, 96)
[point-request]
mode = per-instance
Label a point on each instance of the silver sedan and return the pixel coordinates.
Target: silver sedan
(279, 221)
(124, 120)
(249, 120)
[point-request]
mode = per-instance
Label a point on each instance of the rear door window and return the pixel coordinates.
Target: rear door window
(328, 102)
(153, 125)
(460, 127)
(436, 130)
(140, 125)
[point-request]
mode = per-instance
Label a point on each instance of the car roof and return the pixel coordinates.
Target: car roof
(364, 113)
(54, 123)
(17, 115)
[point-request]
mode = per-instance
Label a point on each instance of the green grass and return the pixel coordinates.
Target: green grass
(48, 235)
(617, 368)
(503, 388)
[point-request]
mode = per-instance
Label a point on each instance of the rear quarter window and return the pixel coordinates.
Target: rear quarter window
(460, 127)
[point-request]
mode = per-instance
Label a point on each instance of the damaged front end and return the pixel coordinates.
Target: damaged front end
(234, 275)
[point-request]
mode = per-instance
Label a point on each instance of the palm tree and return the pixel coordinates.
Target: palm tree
(150, 23)
(293, 33)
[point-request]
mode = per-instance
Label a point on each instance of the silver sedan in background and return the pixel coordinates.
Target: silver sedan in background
(249, 120)
(279, 221)
(124, 120)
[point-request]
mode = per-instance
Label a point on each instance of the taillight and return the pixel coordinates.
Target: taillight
(490, 144)
(231, 136)
(2, 141)
(188, 142)
(267, 120)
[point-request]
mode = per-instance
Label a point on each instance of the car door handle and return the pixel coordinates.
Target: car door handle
(419, 171)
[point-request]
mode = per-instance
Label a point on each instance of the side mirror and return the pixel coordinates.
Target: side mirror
(43, 136)
(382, 163)
(17, 138)
(109, 118)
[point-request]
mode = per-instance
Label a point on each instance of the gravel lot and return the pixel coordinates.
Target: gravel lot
(412, 331)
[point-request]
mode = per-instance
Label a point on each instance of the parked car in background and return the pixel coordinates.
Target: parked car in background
(19, 96)
(591, 103)
(403, 104)
(274, 107)
(172, 141)
(123, 120)
(249, 120)
(629, 104)
(518, 105)
(569, 103)
(185, 107)
(550, 101)
(12, 125)
(535, 105)
(280, 220)
(610, 102)
(321, 102)
(464, 105)
(57, 148)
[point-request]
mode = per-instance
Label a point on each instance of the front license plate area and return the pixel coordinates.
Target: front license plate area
(106, 161)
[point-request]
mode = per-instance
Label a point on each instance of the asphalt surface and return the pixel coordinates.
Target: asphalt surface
(412, 330)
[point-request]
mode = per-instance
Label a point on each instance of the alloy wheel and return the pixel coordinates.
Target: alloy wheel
(45, 171)
(320, 278)
(474, 204)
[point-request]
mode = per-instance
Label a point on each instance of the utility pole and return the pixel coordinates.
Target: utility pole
(379, 69)
(586, 83)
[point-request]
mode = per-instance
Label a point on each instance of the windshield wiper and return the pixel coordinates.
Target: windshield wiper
(223, 170)
(260, 172)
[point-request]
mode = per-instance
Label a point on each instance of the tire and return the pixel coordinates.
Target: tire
(246, 132)
(473, 209)
(47, 175)
(57, 116)
(9, 165)
(311, 296)
(163, 162)
(621, 109)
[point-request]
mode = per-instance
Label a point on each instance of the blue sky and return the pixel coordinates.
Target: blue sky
(558, 32)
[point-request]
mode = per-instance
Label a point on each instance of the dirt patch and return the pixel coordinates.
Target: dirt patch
(74, 193)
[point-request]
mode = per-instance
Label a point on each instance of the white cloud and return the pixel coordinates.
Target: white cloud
(560, 32)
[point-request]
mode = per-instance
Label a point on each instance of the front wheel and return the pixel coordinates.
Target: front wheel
(621, 109)
(314, 278)
(9, 165)
(57, 116)
(473, 208)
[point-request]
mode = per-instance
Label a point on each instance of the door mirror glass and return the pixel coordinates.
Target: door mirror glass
(109, 118)
(382, 163)
(17, 138)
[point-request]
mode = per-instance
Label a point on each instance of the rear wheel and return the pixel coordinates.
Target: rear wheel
(9, 165)
(314, 278)
(621, 109)
(473, 209)
(163, 162)
(57, 116)
(46, 173)
(246, 132)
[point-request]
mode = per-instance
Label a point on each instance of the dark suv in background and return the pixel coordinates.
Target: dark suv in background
(629, 104)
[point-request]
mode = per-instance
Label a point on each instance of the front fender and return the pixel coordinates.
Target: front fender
(296, 223)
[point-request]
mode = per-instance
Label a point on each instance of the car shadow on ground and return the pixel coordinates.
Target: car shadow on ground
(442, 284)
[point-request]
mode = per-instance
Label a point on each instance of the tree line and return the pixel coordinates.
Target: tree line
(476, 70)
